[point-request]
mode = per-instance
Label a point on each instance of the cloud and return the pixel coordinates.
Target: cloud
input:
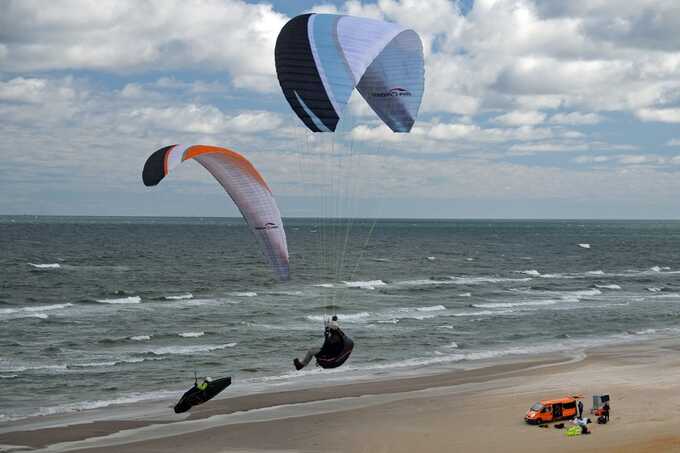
(576, 118)
(671, 115)
(106, 84)
(129, 36)
(33, 90)
(527, 149)
(521, 118)
(630, 159)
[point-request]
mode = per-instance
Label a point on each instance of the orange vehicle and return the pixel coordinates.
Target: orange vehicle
(551, 410)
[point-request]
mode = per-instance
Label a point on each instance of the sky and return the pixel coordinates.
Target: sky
(532, 109)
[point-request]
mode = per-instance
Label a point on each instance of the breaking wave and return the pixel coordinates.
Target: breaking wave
(531, 303)
(612, 286)
(187, 350)
(46, 266)
(369, 284)
(191, 334)
(179, 297)
(122, 300)
(350, 317)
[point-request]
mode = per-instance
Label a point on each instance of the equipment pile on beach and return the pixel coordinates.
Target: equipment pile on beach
(568, 408)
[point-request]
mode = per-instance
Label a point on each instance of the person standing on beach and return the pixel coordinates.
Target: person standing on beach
(605, 411)
(580, 409)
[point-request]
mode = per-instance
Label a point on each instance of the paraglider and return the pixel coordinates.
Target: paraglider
(321, 58)
(335, 350)
(244, 184)
(200, 393)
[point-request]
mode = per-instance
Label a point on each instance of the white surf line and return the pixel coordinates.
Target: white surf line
(265, 414)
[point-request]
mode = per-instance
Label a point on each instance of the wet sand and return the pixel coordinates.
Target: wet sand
(474, 410)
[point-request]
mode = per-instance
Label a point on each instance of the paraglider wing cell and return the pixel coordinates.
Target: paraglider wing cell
(321, 58)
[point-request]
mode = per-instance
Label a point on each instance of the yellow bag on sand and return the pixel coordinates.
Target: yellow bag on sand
(574, 431)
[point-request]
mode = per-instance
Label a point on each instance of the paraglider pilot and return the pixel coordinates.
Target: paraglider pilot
(203, 385)
(332, 335)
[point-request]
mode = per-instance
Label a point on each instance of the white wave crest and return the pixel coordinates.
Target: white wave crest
(480, 280)
(531, 303)
(431, 258)
(452, 345)
(8, 311)
(654, 290)
(659, 268)
(97, 404)
(179, 297)
(369, 284)
(186, 350)
(141, 338)
(104, 364)
(245, 294)
(324, 285)
(584, 246)
(483, 313)
(585, 293)
(612, 286)
(432, 308)
(123, 300)
(598, 272)
(349, 317)
(191, 334)
(45, 266)
(10, 367)
(464, 295)
(532, 272)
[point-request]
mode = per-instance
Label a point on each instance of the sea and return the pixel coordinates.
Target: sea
(97, 312)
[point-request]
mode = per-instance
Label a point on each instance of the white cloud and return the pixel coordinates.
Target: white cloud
(527, 149)
(576, 118)
(449, 137)
(204, 119)
(121, 36)
(629, 159)
(507, 60)
(521, 118)
(671, 115)
(33, 90)
(592, 159)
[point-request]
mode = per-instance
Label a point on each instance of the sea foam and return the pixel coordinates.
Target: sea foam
(191, 334)
(122, 300)
(179, 297)
(187, 350)
(46, 266)
(369, 284)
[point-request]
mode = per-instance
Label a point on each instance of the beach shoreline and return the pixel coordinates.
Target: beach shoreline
(301, 419)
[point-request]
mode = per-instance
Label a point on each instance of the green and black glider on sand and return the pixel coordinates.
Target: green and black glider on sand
(194, 396)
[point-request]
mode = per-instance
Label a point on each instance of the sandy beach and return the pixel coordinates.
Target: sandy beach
(472, 410)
